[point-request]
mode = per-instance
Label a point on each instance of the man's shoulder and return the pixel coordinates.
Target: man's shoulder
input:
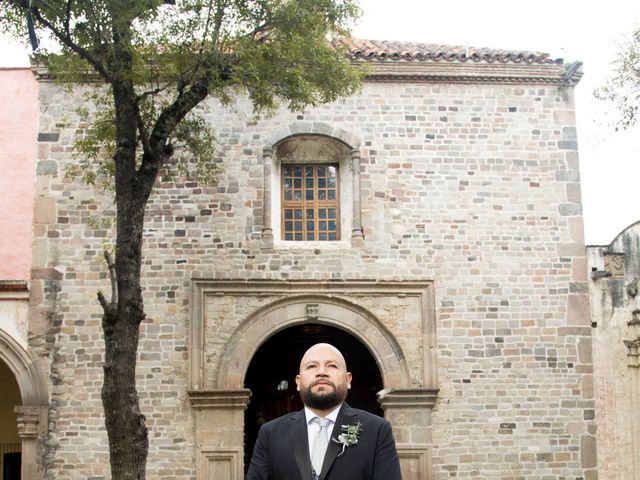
(283, 420)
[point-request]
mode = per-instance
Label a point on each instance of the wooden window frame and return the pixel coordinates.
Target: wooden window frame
(314, 204)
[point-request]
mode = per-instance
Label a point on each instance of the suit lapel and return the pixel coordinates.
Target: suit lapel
(300, 444)
(346, 416)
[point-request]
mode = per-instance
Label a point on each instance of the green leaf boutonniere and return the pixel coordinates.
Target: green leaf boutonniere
(349, 435)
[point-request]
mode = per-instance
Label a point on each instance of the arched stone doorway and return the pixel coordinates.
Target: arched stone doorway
(272, 371)
(233, 320)
(31, 404)
(10, 444)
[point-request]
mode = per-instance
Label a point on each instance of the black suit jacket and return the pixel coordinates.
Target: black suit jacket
(282, 450)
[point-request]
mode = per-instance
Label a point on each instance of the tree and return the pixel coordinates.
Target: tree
(623, 88)
(160, 60)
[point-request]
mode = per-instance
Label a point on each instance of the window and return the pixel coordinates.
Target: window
(310, 202)
(311, 194)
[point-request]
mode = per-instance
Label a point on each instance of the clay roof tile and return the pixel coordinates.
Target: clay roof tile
(386, 50)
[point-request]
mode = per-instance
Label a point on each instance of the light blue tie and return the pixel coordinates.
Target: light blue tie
(320, 442)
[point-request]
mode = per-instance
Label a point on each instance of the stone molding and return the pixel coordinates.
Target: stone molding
(267, 224)
(398, 71)
(350, 203)
(449, 72)
(215, 463)
(416, 460)
(14, 290)
(633, 352)
(207, 399)
(408, 398)
(291, 309)
(31, 421)
(31, 381)
(351, 140)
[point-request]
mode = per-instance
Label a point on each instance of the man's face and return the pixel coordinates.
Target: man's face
(323, 381)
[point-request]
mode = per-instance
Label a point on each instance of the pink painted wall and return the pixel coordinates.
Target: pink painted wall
(18, 148)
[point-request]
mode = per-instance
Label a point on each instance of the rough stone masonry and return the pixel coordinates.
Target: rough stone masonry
(459, 178)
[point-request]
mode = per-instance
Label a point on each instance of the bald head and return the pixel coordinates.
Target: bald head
(323, 380)
(323, 351)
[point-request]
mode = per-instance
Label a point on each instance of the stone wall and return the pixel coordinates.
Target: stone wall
(470, 187)
(615, 315)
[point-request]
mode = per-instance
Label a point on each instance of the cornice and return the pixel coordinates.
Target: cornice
(220, 399)
(470, 72)
(408, 398)
(430, 71)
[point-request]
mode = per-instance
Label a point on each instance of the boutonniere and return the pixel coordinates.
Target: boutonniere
(349, 435)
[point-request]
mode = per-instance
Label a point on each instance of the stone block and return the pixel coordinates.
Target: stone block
(571, 250)
(579, 270)
(588, 452)
(574, 192)
(578, 312)
(47, 167)
(584, 350)
(570, 209)
(442, 200)
(45, 274)
(44, 210)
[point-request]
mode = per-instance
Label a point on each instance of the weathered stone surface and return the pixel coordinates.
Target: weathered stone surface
(589, 457)
(47, 167)
(463, 186)
(48, 137)
(614, 305)
(578, 309)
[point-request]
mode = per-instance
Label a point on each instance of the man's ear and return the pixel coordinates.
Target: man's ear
(349, 380)
(298, 382)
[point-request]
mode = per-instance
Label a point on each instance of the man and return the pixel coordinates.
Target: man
(353, 445)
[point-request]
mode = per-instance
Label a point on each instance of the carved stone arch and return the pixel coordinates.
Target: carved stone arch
(31, 416)
(29, 376)
(232, 320)
(330, 144)
(350, 139)
(339, 313)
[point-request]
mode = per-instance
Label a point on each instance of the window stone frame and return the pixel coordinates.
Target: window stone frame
(349, 168)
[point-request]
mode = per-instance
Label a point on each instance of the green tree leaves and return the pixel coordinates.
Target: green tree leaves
(623, 88)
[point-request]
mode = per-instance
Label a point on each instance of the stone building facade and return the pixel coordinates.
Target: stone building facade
(615, 314)
(454, 278)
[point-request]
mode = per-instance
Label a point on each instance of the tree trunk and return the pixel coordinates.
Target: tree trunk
(125, 424)
(126, 429)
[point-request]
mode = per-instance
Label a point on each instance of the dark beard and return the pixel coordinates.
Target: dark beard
(322, 401)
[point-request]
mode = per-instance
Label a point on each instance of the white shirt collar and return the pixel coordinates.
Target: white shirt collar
(333, 416)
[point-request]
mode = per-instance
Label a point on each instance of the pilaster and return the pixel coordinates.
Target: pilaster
(409, 411)
(32, 427)
(220, 432)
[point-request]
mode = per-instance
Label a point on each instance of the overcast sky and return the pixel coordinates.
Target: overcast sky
(571, 29)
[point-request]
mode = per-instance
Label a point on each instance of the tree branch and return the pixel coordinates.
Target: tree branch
(169, 118)
(67, 40)
(107, 306)
(217, 25)
(67, 20)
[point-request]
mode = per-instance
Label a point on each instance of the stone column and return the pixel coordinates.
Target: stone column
(633, 362)
(409, 412)
(357, 234)
(267, 227)
(220, 433)
(32, 427)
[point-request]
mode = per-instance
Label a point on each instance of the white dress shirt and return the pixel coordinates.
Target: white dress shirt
(313, 428)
